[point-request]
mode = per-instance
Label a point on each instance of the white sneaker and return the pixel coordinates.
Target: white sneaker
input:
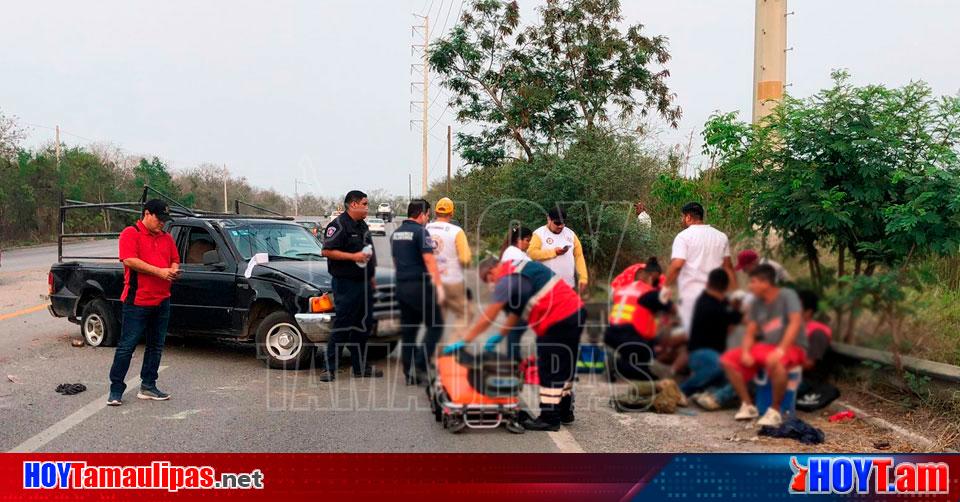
(746, 412)
(771, 417)
(707, 402)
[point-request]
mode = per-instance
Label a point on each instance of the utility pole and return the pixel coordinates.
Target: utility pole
(296, 198)
(449, 134)
(409, 188)
(425, 103)
(226, 174)
(58, 147)
(769, 56)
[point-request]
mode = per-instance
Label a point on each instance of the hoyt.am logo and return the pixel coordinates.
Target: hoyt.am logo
(868, 475)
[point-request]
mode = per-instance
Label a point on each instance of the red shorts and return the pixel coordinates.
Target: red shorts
(795, 356)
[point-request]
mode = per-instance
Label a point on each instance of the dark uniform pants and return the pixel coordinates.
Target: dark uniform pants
(353, 304)
(556, 365)
(632, 354)
(418, 306)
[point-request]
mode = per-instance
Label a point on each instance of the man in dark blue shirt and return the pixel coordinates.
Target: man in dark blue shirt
(419, 290)
(351, 261)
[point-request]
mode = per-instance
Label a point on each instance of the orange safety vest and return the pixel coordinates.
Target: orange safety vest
(626, 309)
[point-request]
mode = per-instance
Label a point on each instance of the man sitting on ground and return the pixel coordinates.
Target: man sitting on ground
(713, 316)
(773, 341)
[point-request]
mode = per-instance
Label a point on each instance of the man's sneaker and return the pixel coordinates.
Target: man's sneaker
(369, 372)
(114, 400)
(747, 412)
(567, 419)
(706, 401)
(152, 394)
(771, 418)
(327, 376)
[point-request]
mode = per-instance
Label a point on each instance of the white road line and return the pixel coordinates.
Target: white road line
(563, 438)
(50, 433)
(565, 441)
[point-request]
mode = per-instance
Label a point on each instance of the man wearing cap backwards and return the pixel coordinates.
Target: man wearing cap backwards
(453, 254)
(748, 259)
(150, 264)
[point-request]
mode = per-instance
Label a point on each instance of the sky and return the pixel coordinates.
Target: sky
(317, 93)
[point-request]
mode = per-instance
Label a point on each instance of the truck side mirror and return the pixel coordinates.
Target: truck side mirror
(211, 257)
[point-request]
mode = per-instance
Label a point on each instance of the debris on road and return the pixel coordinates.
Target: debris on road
(76, 342)
(843, 416)
(69, 389)
(794, 428)
(13, 378)
(882, 445)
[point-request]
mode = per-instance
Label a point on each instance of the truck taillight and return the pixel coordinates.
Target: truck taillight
(50, 282)
(322, 303)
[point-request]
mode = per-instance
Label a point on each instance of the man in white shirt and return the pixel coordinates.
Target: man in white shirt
(452, 252)
(697, 250)
(558, 247)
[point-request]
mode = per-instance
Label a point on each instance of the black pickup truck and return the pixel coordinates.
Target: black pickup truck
(278, 307)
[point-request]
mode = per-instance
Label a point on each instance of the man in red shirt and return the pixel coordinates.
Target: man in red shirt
(150, 264)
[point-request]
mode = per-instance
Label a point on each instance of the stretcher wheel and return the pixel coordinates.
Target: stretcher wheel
(453, 424)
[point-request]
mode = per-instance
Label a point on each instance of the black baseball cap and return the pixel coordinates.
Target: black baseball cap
(158, 208)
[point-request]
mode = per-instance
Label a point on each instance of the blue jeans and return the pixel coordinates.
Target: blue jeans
(705, 371)
(136, 323)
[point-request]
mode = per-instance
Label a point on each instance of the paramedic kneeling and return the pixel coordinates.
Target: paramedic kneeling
(773, 340)
(555, 314)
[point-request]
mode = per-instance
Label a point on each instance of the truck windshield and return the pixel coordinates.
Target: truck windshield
(276, 239)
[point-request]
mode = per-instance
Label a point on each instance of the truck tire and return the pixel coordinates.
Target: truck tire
(281, 343)
(98, 324)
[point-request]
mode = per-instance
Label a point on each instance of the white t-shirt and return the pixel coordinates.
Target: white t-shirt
(703, 248)
(513, 253)
(564, 265)
(444, 236)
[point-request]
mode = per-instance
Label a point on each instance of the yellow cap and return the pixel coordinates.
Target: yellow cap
(445, 206)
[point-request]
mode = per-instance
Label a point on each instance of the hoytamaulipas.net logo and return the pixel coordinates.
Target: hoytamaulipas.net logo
(868, 475)
(159, 475)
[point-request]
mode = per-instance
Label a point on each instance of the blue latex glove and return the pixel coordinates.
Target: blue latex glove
(454, 347)
(492, 342)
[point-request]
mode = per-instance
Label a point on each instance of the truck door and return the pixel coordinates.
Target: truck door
(203, 298)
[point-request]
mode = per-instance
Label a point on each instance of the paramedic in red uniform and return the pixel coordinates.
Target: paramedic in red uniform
(554, 312)
(150, 264)
(633, 326)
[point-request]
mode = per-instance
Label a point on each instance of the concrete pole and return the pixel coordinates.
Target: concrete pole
(769, 56)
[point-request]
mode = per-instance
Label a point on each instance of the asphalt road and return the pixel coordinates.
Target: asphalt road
(224, 399)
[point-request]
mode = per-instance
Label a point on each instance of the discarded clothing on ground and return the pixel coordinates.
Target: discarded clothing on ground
(813, 396)
(794, 428)
(69, 389)
(662, 396)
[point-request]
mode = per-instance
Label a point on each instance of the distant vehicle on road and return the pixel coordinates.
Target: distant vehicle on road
(284, 307)
(385, 212)
(311, 223)
(377, 226)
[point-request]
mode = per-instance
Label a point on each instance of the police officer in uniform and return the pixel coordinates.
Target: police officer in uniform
(419, 290)
(351, 260)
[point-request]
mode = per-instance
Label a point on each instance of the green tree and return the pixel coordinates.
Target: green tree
(530, 90)
(870, 174)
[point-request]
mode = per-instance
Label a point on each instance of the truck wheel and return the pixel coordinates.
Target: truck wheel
(377, 350)
(98, 326)
(280, 341)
